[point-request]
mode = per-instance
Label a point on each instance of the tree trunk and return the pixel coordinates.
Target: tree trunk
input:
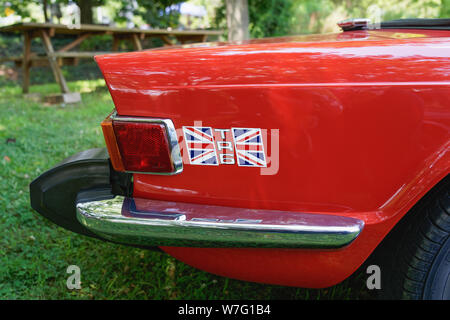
(44, 8)
(86, 15)
(237, 20)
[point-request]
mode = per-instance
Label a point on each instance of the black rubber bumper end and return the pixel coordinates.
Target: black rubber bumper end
(54, 193)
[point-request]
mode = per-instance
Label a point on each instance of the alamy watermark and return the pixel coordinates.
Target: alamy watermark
(74, 280)
(374, 280)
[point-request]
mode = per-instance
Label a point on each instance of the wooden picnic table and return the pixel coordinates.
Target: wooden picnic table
(64, 55)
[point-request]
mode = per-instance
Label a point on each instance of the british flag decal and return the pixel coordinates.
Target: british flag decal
(200, 145)
(249, 147)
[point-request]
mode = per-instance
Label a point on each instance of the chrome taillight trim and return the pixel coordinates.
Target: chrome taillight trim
(164, 223)
(175, 154)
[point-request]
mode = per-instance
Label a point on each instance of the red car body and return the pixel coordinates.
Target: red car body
(363, 124)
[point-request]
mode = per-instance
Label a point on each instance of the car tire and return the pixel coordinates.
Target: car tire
(415, 260)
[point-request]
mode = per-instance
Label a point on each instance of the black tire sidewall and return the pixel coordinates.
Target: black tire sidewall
(437, 284)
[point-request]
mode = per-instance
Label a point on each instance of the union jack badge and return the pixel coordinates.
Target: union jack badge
(200, 145)
(249, 147)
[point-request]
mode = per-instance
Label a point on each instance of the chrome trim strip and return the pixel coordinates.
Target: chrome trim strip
(162, 223)
(175, 154)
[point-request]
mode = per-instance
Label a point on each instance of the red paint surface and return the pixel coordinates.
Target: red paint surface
(363, 120)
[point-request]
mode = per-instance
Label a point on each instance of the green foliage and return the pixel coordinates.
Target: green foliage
(22, 8)
(35, 253)
(309, 16)
(97, 43)
(269, 17)
(19, 6)
(220, 17)
(153, 12)
(10, 45)
(282, 17)
(445, 9)
(321, 16)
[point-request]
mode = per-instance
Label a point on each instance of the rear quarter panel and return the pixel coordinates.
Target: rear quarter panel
(354, 128)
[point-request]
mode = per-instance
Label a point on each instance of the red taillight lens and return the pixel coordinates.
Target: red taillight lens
(144, 147)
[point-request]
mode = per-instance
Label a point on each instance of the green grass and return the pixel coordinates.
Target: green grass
(35, 253)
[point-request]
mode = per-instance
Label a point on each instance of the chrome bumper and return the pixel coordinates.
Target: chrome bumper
(161, 223)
